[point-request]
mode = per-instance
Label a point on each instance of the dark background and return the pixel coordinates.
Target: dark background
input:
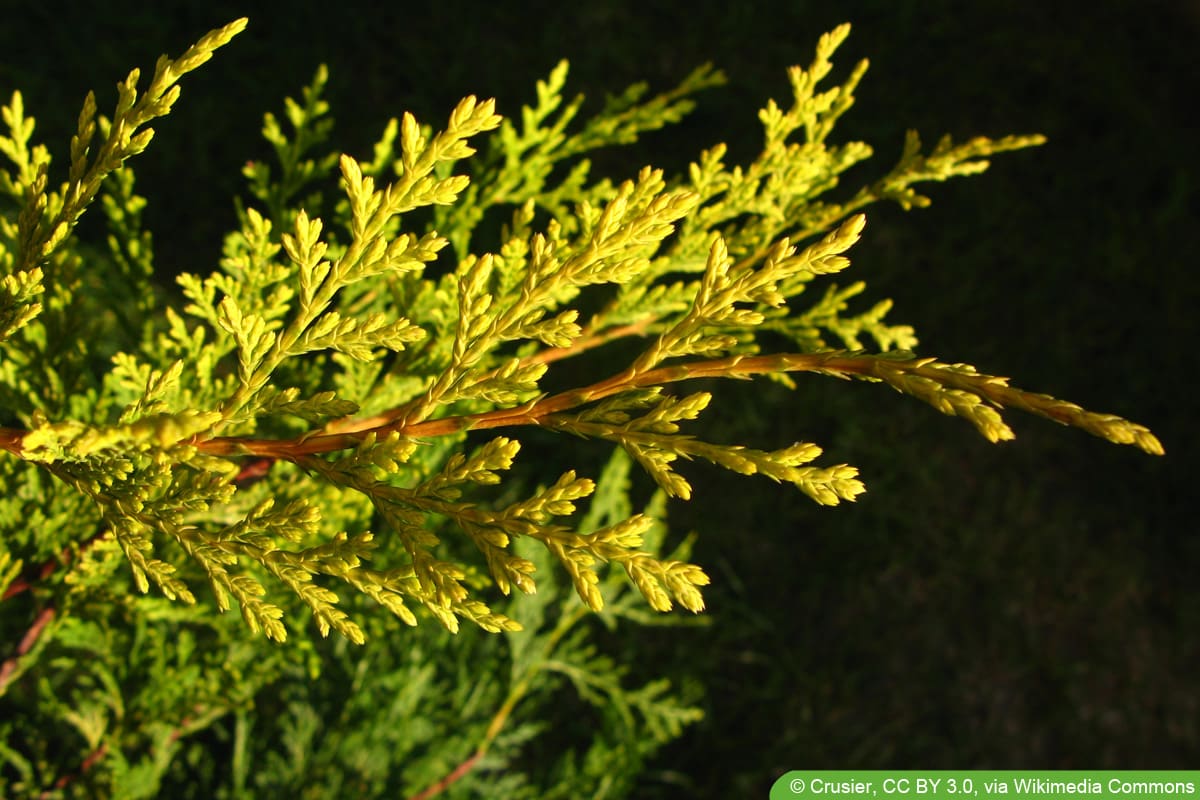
(1026, 605)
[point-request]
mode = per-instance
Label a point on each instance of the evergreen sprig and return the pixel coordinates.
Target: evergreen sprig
(300, 424)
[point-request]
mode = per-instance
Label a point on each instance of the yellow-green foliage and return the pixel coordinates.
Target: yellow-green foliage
(298, 425)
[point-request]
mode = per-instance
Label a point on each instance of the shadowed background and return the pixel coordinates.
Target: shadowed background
(1026, 605)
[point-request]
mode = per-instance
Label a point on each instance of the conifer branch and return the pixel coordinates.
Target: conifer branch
(923, 377)
(321, 343)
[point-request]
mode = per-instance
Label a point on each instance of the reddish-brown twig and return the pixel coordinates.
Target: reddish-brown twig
(9, 667)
